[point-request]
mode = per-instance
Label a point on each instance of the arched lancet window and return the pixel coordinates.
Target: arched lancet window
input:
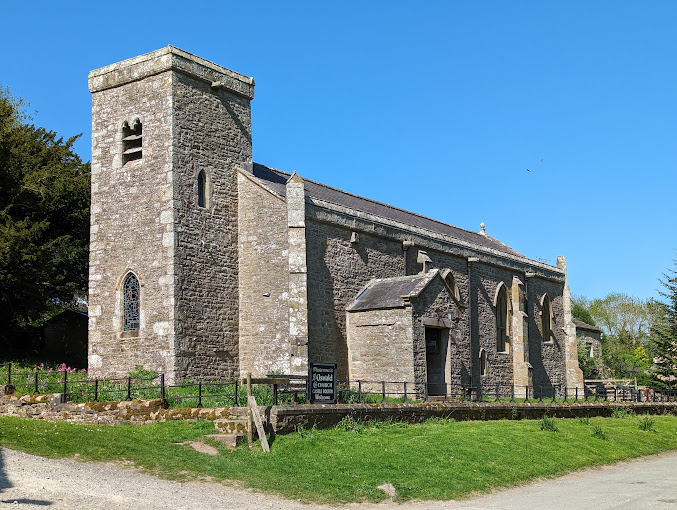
(202, 189)
(131, 301)
(546, 319)
(483, 362)
(450, 282)
(502, 339)
(132, 141)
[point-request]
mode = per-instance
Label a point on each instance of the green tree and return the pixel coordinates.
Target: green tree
(44, 219)
(664, 333)
(626, 323)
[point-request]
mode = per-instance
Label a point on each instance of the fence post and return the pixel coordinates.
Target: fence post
(566, 393)
(9, 373)
(498, 389)
(526, 393)
(199, 394)
(96, 389)
(236, 388)
(383, 391)
(65, 385)
(129, 388)
(359, 391)
(553, 393)
(275, 394)
(36, 381)
(512, 392)
(162, 389)
(405, 391)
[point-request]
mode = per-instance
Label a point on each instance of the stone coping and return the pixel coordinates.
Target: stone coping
(170, 58)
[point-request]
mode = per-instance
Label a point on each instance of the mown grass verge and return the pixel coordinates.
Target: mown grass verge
(434, 460)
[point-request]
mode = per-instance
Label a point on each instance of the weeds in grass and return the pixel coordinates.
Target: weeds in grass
(305, 433)
(349, 423)
(440, 419)
(514, 413)
(622, 412)
(598, 432)
(584, 420)
(647, 423)
(548, 424)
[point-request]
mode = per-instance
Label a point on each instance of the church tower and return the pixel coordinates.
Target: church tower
(169, 133)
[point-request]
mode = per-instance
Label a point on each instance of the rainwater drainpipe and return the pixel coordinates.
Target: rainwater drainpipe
(472, 359)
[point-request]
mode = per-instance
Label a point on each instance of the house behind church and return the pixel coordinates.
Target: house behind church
(204, 264)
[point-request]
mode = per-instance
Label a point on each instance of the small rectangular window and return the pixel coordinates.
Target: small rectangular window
(132, 142)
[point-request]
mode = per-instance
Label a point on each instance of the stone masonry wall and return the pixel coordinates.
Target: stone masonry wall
(436, 303)
(212, 133)
(337, 271)
(547, 358)
(460, 334)
(485, 280)
(127, 233)
(264, 281)
(380, 346)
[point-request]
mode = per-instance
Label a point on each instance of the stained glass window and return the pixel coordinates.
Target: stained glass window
(131, 302)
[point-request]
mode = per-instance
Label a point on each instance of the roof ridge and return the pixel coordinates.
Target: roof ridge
(393, 207)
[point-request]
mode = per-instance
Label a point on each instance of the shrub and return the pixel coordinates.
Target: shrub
(548, 424)
(584, 420)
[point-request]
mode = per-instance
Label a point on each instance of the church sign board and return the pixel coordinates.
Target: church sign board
(322, 383)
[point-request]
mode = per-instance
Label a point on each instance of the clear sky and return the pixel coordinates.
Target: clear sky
(555, 123)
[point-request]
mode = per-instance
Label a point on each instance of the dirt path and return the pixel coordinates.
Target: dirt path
(30, 482)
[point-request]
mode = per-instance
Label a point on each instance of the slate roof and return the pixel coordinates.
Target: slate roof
(383, 293)
(583, 325)
(276, 180)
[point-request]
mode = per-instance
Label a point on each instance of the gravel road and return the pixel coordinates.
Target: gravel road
(30, 482)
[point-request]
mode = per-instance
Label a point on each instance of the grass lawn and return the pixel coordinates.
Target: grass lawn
(433, 460)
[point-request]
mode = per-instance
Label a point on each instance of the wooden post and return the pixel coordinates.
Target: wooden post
(250, 425)
(254, 411)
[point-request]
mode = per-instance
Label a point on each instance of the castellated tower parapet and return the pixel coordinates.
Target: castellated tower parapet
(170, 131)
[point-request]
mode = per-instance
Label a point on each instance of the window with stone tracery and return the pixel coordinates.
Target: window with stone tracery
(131, 303)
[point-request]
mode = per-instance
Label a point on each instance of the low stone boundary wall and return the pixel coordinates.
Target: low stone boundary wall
(51, 408)
(285, 419)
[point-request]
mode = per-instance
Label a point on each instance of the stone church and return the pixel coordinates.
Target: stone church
(204, 264)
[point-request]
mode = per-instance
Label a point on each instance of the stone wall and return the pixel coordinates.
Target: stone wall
(380, 346)
(287, 419)
(127, 233)
(485, 280)
(212, 133)
(264, 289)
(337, 271)
(436, 303)
(547, 358)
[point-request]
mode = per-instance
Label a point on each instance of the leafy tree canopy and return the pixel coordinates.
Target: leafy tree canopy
(44, 219)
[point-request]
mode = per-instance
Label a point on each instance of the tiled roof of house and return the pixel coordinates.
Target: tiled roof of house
(276, 181)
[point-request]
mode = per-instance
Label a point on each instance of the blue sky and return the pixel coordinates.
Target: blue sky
(437, 107)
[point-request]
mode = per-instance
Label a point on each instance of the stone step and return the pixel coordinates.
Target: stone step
(231, 426)
(228, 440)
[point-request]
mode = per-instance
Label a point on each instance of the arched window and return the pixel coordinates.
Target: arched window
(202, 189)
(132, 141)
(546, 319)
(452, 287)
(502, 339)
(483, 362)
(131, 301)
